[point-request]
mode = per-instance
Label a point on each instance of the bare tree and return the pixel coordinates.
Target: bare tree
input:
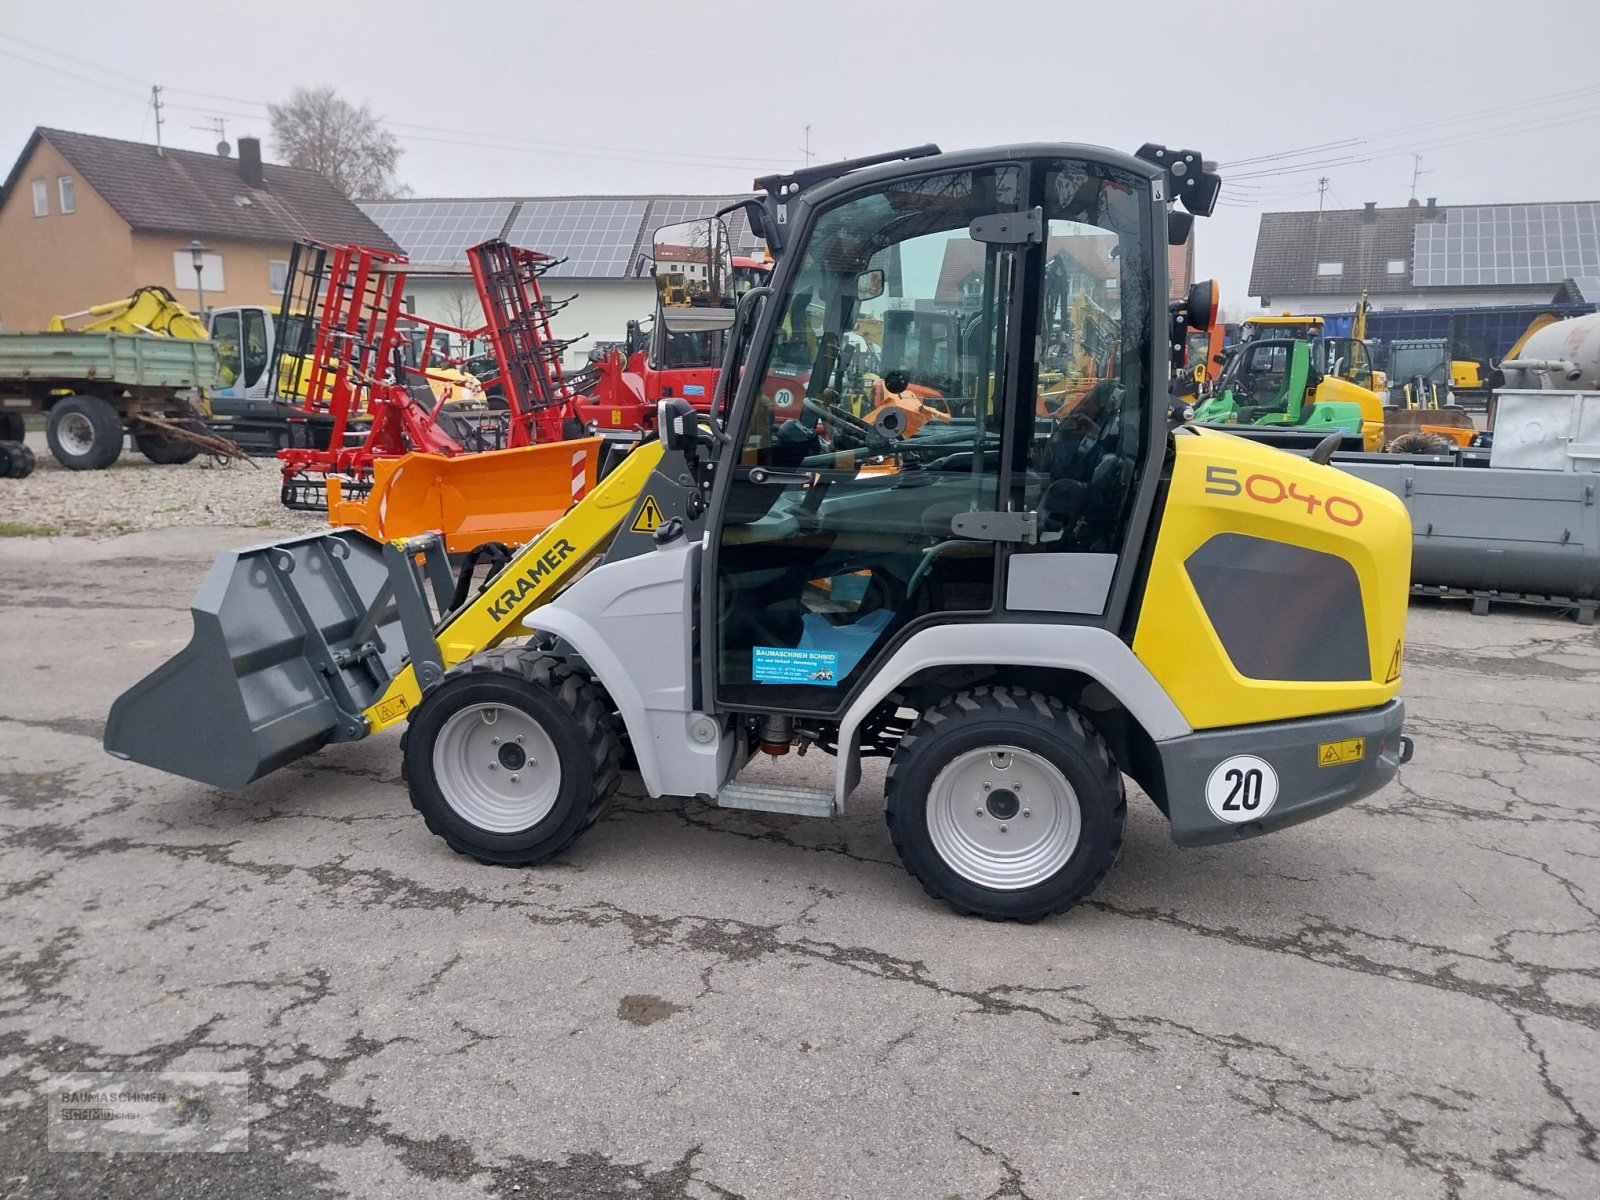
(318, 129)
(458, 305)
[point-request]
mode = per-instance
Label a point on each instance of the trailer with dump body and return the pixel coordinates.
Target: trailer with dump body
(97, 389)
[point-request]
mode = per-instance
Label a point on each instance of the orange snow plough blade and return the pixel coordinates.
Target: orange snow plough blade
(506, 496)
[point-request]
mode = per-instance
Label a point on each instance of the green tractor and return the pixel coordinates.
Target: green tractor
(1272, 382)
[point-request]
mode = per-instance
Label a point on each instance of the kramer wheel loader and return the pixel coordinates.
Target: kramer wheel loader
(1017, 612)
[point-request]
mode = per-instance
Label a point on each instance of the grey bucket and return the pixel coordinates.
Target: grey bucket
(292, 641)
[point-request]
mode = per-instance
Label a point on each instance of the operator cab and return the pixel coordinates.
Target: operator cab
(842, 531)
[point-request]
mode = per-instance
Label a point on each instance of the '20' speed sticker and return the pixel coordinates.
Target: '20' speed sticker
(1241, 788)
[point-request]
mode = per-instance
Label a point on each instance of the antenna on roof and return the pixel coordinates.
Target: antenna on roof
(155, 103)
(219, 126)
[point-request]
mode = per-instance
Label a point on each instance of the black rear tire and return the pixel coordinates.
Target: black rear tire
(571, 712)
(160, 447)
(12, 427)
(85, 433)
(16, 460)
(1041, 726)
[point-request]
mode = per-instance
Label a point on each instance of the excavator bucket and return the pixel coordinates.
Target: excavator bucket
(506, 496)
(292, 642)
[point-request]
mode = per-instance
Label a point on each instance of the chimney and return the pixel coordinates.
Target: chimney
(1370, 212)
(1433, 203)
(250, 161)
(1413, 203)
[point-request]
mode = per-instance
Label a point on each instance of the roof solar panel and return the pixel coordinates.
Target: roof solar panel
(1507, 244)
(595, 236)
(600, 237)
(439, 231)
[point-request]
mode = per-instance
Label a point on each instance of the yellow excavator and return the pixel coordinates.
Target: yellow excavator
(150, 309)
(1018, 613)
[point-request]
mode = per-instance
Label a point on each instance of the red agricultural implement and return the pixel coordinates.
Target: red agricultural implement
(378, 382)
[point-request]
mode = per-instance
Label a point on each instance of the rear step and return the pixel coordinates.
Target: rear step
(795, 799)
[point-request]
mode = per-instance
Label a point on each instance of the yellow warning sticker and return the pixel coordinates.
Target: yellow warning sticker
(649, 518)
(1335, 754)
(1394, 664)
(391, 710)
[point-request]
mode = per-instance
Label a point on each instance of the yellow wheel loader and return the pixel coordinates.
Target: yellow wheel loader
(1017, 612)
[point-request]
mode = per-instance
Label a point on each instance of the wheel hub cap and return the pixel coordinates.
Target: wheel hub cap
(497, 768)
(1003, 817)
(76, 433)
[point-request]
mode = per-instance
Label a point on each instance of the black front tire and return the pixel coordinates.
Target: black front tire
(576, 716)
(94, 437)
(160, 447)
(1041, 724)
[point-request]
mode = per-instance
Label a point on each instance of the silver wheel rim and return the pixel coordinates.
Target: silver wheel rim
(497, 768)
(75, 432)
(1003, 817)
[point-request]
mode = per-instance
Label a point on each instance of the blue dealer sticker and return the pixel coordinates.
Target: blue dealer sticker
(774, 664)
(693, 389)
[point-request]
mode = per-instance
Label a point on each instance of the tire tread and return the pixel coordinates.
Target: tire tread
(578, 694)
(1012, 704)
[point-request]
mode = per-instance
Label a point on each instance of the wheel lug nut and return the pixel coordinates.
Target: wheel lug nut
(1026, 813)
(1002, 829)
(494, 766)
(980, 812)
(514, 778)
(519, 739)
(987, 786)
(494, 741)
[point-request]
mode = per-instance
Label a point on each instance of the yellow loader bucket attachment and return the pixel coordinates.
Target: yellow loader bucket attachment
(505, 496)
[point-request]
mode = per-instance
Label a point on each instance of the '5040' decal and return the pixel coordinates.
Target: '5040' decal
(1269, 489)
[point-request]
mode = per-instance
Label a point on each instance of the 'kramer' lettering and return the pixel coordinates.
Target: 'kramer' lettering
(552, 558)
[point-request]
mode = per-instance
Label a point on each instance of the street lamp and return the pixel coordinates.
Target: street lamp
(197, 252)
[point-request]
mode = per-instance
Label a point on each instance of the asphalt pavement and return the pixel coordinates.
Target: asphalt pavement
(1398, 1000)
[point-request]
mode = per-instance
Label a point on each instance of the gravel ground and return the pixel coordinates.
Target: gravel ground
(136, 494)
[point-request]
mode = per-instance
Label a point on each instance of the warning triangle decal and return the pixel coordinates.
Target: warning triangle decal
(1394, 665)
(649, 518)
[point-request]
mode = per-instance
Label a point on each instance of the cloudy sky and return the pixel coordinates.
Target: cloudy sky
(604, 96)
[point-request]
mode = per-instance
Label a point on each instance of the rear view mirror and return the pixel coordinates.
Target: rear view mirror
(694, 265)
(869, 285)
(1200, 308)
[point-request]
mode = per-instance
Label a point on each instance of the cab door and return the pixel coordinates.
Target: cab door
(835, 529)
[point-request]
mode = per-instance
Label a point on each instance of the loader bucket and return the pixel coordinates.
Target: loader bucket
(292, 641)
(507, 496)
(1453, 424)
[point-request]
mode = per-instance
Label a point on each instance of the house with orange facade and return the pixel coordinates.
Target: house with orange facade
(85, 220)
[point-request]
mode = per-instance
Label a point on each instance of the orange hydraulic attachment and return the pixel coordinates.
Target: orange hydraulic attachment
(505, 496)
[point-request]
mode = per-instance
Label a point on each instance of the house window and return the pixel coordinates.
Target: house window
(1397, 266)
(68, 192)
(1111, 284)
(277, 276)
(1330, 269)
(211, 277)
(41, 198)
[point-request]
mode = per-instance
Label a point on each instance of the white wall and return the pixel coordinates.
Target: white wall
(1330, 302)
(602, 309)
